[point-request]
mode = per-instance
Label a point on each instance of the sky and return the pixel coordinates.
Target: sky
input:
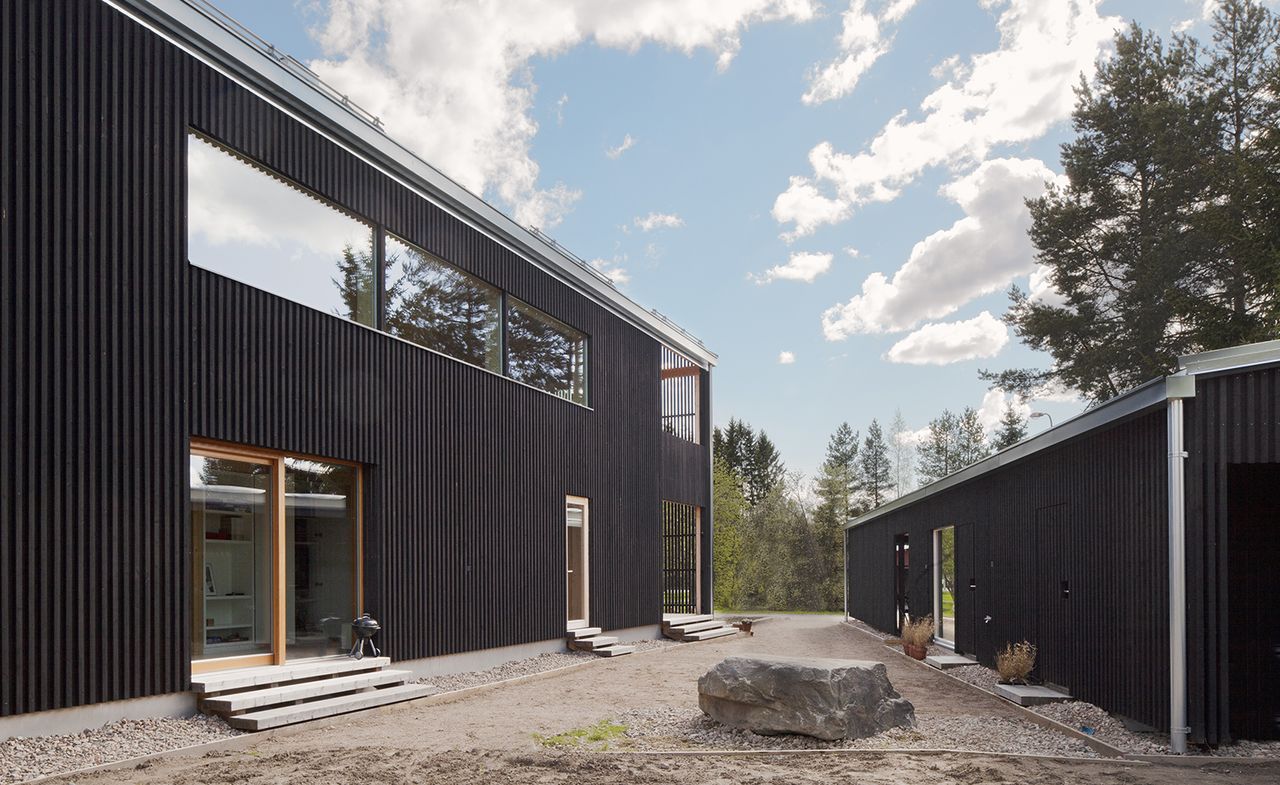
(828, 194)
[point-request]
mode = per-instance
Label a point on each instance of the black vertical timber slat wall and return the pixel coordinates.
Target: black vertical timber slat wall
(114, 351)
(1109, 490)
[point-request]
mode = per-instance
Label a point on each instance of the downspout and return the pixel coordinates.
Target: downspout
(708, 431)
(1176, 389)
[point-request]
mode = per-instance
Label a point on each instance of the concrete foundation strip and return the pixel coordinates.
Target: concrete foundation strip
(1094, 743)
(869, 752)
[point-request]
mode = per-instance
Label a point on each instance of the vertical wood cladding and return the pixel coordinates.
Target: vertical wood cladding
(1100, 503)
(114, 351)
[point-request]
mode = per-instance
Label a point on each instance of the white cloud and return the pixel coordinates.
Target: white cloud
(613, 270)
(854, 253)
(786, 358)
(614, 153)
(453, 81)
(978, 254)
(561, 102)
(1011, 95)
(944, 343)
(800, 267)
(862, 43)
(648, 223)
(1042, 290)
(993, 406)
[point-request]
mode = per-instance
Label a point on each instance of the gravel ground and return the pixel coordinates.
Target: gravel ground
(867, 628)
(979, 676)
(24, 759)
(665, 728)
(548, 661)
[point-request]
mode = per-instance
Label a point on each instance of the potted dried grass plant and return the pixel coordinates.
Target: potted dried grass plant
(916, 634)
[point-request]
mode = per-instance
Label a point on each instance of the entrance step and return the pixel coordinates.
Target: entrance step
(328, 707)
(948, 661)
(706, 635)
(590, 639)
(237, 702)
(225, 681)
(593, 643)
(695, 627)
(1029, 695)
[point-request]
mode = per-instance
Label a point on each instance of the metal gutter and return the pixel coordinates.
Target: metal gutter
(199, 29)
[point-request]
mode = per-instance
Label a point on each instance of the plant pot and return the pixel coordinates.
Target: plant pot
(915, 652)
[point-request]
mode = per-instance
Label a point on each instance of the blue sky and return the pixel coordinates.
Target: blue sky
(532, 103)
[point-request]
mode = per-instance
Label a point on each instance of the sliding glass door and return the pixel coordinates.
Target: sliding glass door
(275, 556)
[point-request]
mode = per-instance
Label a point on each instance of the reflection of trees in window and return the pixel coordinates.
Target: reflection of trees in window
(546, 354)
(357, 283)
(436, 305)
(305, 476)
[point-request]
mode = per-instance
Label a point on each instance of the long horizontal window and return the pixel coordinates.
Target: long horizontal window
(434, 304)
(546, 353)
(251, 224)
(247, 223)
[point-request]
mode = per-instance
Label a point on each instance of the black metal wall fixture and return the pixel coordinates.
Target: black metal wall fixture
(114, 352)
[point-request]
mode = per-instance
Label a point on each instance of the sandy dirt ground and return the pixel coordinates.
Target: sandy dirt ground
(489, 737)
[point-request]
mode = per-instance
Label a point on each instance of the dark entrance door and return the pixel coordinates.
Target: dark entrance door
(901, 569)
(1055, 630)
(965, 592)
(1253, 616)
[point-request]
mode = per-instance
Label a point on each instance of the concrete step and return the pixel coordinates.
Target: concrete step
(584, 632)
(591, 644)
(948, 661)
(706, 635)
(328, 707)
(681, 619)
(698, 626)
(301, 691)
(616, 650)
(1030, 695)
(210, 683)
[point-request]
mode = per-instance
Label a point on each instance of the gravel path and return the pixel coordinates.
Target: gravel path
(542, 663)
(664, 728)
(24, 759)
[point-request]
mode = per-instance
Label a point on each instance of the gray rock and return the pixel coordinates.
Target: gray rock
(826, 699)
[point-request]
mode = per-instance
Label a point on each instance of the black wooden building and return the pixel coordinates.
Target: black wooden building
(1067, 539)
(261, 368)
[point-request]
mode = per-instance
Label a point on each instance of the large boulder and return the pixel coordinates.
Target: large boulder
(826, 699)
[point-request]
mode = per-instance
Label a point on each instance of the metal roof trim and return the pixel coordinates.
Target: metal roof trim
(191, 27)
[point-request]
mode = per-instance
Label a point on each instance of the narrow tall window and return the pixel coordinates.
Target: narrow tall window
(434, 304)
(546, 353)
(679, 379)
(249, 223)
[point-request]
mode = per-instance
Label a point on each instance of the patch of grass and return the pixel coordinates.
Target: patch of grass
(599, 734)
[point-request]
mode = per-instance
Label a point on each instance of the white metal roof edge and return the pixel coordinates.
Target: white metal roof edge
(1140, 398)
(191, 28)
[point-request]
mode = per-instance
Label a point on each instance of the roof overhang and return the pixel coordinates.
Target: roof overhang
(276, 79)
(1149, 396)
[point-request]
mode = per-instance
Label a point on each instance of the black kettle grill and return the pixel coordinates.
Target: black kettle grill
(362, 631)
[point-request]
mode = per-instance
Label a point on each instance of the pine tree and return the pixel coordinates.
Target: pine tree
(734, 446)
(901, 455)
(971, 439)
(938, 454)
(1012, 430)
(764, 469)
(1166, 240)
(838, 490)
(875, 469)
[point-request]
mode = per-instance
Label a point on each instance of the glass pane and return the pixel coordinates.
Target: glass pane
(320, 557)
(946, 582)
(546, 353)
(231, 529)
(575, 564)
(251, 225)
(434, 304)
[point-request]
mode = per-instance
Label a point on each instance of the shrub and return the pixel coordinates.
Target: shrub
(918, 631)
(1016, 662)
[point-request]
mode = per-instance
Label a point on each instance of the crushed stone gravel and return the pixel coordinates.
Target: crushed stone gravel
(668, 728)
(547, 661)
(23, 759)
